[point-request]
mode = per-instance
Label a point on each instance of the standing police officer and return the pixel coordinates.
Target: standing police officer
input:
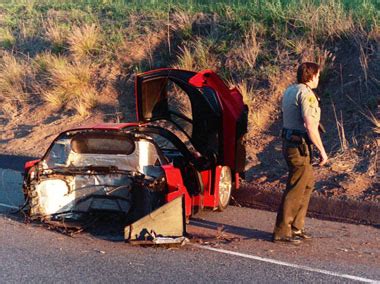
(301, 115)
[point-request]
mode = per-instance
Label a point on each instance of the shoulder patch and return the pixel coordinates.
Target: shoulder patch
(312, 100)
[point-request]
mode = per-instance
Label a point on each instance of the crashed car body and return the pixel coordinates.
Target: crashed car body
(187, 142)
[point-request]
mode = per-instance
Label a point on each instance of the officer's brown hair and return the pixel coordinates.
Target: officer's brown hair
(306, 71)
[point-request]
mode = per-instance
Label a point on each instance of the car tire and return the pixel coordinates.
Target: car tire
(225, 188)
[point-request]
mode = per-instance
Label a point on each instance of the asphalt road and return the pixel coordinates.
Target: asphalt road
(230, 246)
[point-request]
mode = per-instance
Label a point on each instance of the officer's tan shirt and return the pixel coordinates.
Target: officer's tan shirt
(298, 102)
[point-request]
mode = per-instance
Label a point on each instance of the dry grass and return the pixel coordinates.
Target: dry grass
(46, 61)
(322, 56)
(203, 56)
(56, 97)
(369, 115)
(325, 59)
(260, 118)
(340, 128)
(363, 58)
(374, 120)
(28, 29)
(85, 101)
(151, 42)
(55, 33)
(374, 34)
(328, 19)
(259, 112)
(246, 91)
(251, 48)
(266, 106)
(84, 41)
(181, 20)
(7, 39)
(70, 85)
(258, 115)
(244, 56)
(197, 56)
(186, 59)
(297, 45)
(257, 119)
(13, 78)
(178, 21)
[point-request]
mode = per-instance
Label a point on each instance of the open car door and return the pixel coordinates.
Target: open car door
(211, 115)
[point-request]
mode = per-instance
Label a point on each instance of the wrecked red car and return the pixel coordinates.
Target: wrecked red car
(187, 145)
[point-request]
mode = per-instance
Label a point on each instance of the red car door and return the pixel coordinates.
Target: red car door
(216, 120)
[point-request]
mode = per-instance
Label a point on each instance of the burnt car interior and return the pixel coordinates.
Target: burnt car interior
(110, 171)
(98, 171)
(180, 155)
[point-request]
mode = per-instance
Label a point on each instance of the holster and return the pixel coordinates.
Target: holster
(299, 140)
(303, 148)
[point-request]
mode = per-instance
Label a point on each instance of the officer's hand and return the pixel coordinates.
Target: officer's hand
(323, 159)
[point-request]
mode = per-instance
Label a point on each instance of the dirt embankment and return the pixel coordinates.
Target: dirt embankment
(350, 174)
(350, 105)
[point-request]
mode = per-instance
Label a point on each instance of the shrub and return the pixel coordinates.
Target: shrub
(7, 39)
(56, 34)
(70, 85)
(84, 41)
(197, 56)
(246, 91)
(13, 78)
(243, 57)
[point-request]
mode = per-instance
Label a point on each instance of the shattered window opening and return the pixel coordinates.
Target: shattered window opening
(102, 143)
(68, 153)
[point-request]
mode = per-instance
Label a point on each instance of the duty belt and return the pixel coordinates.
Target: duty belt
(297, 139)
(294, 136)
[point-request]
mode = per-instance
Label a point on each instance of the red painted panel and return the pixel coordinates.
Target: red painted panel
(30, 164)
(173, 177)
(237, 181)
(232, 106)
(176, 187)
(211, 200)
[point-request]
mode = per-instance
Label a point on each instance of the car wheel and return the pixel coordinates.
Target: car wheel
(225, 188)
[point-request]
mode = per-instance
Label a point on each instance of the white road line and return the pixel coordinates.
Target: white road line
(269, 260)
(9, 206)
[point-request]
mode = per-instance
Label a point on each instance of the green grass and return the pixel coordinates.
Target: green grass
(243, 11)
(318, 18)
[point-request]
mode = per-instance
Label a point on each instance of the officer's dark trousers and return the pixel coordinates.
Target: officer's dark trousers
(295, 200)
